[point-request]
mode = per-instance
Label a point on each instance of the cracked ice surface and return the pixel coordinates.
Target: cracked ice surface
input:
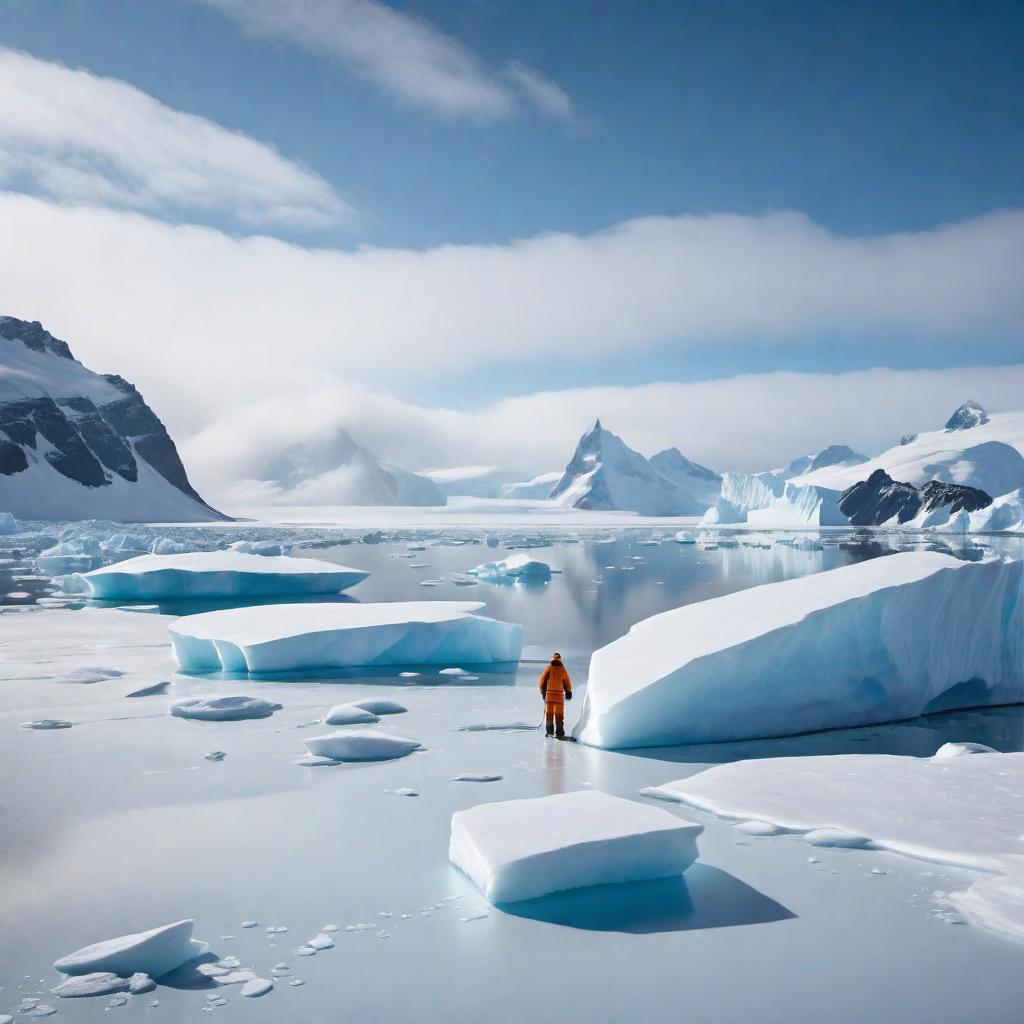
(287, 638)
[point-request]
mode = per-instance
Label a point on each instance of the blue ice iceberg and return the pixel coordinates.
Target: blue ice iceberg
(516, 568)
(520, 849)
(303, 637)
(217, 574)
(879, 641)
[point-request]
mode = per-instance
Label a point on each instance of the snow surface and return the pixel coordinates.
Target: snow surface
(297, 637)
(360, 745)
(877, 641)
(520, 849)
(223, 709)
(769, 502)
(217, 574)
(519, 566)
(155, 952)
(965, 811)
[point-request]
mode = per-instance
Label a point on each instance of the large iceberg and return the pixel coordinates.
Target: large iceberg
(520, 849)
(964, 806)
(769, 502)
(882, 640)
(155, 952)
(217, 574)
(300, 637)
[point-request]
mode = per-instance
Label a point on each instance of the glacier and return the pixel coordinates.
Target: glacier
(302, 637)
(155, 952)
(878, 641)
(924, 807)
(520, 849)
(216, 574)
(770, 502)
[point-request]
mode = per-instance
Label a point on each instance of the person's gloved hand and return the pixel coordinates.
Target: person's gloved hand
(568, 696)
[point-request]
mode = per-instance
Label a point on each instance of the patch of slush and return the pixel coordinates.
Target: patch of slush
(476, 777)
(44, 724)
(882, 640)
(217, 574)
(155, 952)
(513, 726)
(360, 745)
(520, 849)
(965, 811)
(223, 709)
(297, 637)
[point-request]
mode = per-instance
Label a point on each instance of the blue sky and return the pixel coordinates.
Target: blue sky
(867, 119)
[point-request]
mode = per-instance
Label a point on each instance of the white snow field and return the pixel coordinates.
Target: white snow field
(964, 810)
(520, 849)
(877, 641)
(360, 745)
(519, 566)
(769, 502)
(155, 952)
(989, 456)
(217, 574)
(300, 637)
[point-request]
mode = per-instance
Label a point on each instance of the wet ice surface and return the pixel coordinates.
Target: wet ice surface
(121, 824)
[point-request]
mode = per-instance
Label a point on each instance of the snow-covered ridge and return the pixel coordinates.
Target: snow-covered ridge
(877, 641)
(76, 444)
(880, 499)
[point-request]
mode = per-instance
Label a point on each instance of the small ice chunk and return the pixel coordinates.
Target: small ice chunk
(98, 983)
(223, 709)
(514, 726)
(360, 745)
(154, 952)
(349, 714)
(306, 951)
(321, 941)
(520, 849)
(117, 1000)
(329, 928)
(239, 977)
(474, 777)
(836, 837)
(296, 982)
(257, 987)
(44, 724)
(408, 675)
(309, 761)
(250, 924)
(281, 968)
(453, 672)
(215, 755)
(229, 962)
(140, 982)
(377, 706)
(948, 750)
(406, 791)
(41, 1010)
(758, 828)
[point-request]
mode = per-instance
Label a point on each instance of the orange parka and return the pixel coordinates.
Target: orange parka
(554, 683)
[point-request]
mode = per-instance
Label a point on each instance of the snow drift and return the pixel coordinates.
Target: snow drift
(520, 849)
(878, 641)
(922, 807)
(299, 637)
(217, 574)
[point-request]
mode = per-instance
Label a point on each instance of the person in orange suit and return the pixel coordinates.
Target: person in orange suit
(556, 689)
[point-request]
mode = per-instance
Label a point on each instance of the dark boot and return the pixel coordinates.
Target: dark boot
(549, 732)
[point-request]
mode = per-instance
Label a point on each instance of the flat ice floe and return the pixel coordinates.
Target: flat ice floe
(298, 637)
(223, 709)
(360, 745)
(961, 810)
(216, 574)
(520, 849)
(878, 641)
(155, 952)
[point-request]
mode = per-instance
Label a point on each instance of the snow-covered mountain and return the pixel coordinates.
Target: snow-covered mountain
(606, 475)
(703, 483)
(833, 455)
(335, 470)
(880, 499)
(975, 449)
(75, 444)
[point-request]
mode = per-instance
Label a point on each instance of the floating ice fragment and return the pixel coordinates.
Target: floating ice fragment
(40, 1010)
(360, 745)
(453, 672)
(321, 941)
(223, 709)
(296, 982)
(239, 977)
(257, 987)
(520, 849)
(250, 924)
(382, 707)
(406, 791)
(118, 1000)
(98, 983)
(306, 951)
(228, 962)
(154, 952)
(44, 724)
(948, 750)
(309, 761)
(516, 568)
(349, 714)
(514, 726)
(215, 755)
(471, 777)
(329, 928)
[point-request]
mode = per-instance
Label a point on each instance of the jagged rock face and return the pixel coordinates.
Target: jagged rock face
(880, 499)
(970, 414)
(91, 429)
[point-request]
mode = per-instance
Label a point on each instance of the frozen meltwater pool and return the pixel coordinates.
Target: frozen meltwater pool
(121, 823)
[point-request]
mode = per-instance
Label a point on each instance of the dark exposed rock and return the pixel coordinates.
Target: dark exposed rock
(12, 458)
(970, 414)
(880, 499)
(34, 336)
(25, 420)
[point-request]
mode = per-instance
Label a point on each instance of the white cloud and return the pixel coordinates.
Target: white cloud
(402, 54)
(748, 422)
(80, 137)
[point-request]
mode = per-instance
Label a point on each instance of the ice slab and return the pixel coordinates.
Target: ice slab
(349, 714)
(520, 849)
(155, 952)
(380, 706)
(297, 637)
(217, 574)
(360, 745)
(878, 641)
(223, 709)
(964, 810)
(516, 567)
